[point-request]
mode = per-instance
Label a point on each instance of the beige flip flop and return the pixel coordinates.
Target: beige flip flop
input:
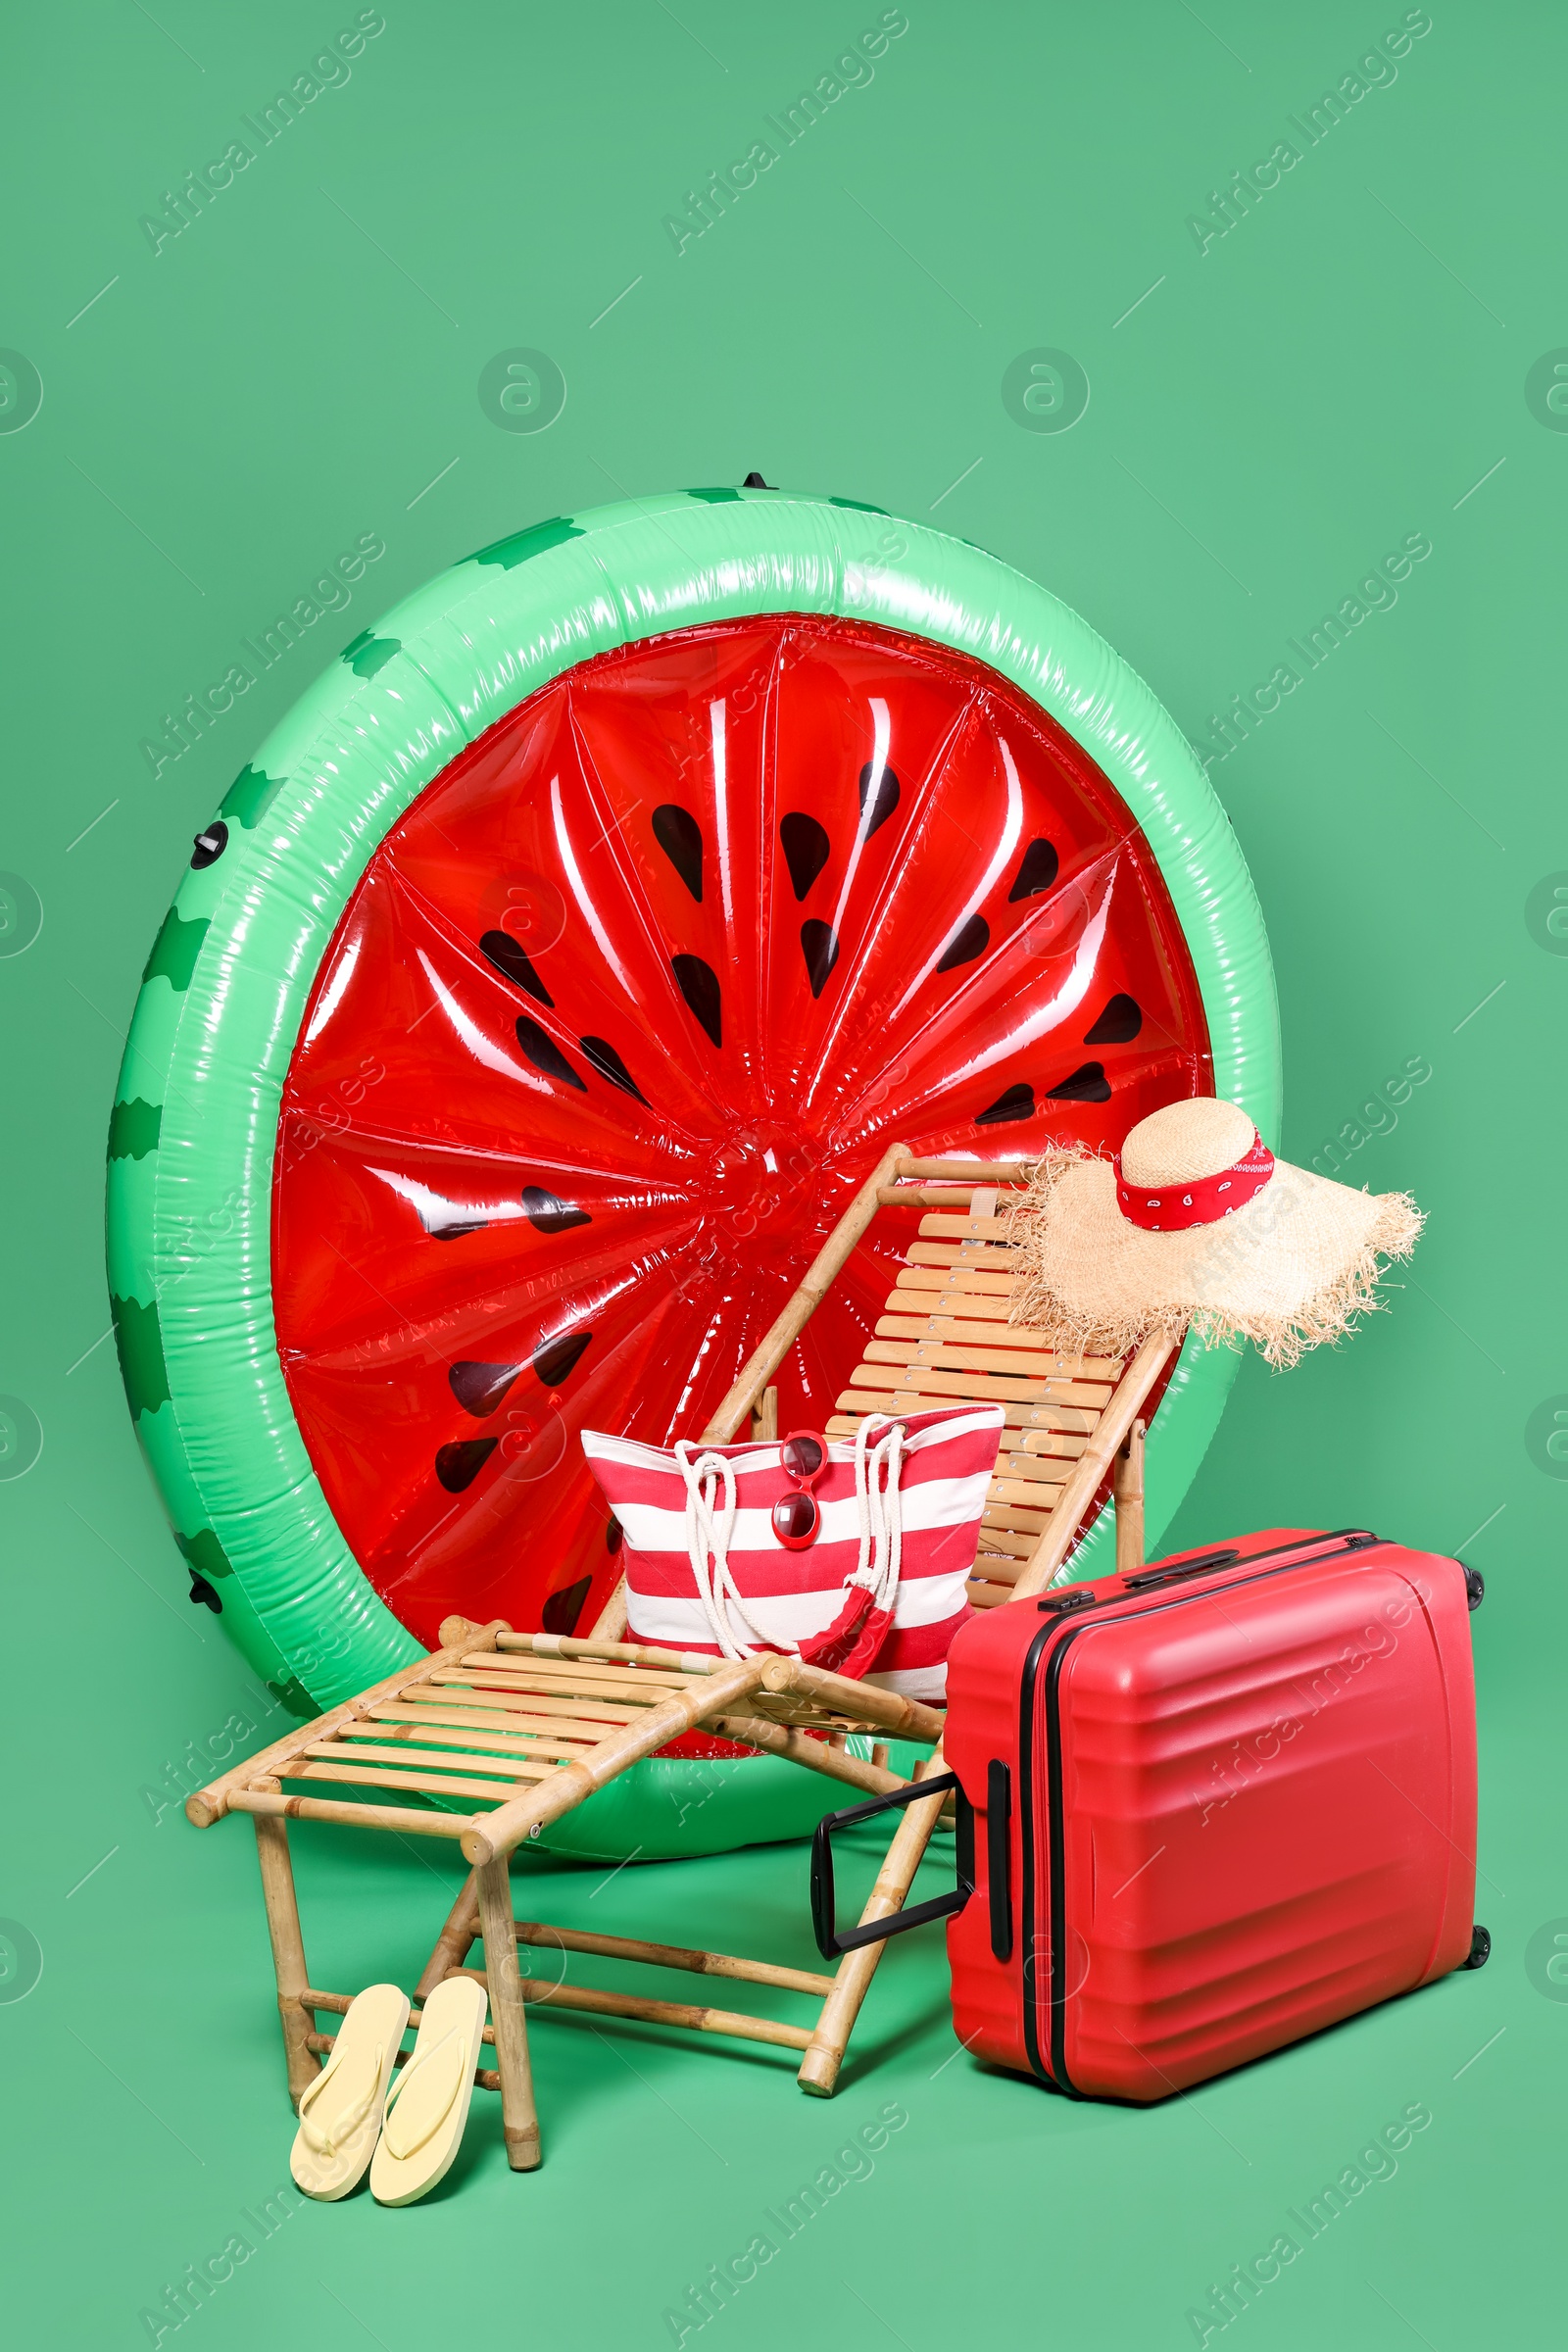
(423, 2126)
(340, 2113)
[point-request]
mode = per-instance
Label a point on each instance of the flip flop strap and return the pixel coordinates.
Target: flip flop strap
(327, 2143)
(420, 2058)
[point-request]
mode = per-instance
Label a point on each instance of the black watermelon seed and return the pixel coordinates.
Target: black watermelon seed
(884, 803)
(1019, 1102)
(202, 1593)
(548, 1214)
(562, 1609)
(545, 1054)
(1120, 1021)
(612, 1535)
(754, 481)
(807, 848)
(457, 1466)
(1036, 872)
(680, 837)
(557, 1357)
(608, 1062)
(211, 844)
(452, 1232)
(503, 952)
(1087, 1085)
(819, 945)
(971, 939)
(479, 1388)
(697, 983)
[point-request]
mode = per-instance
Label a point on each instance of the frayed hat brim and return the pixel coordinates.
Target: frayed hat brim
(1291, 1269)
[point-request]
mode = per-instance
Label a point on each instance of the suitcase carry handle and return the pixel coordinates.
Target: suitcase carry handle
(999, 1857)
(829, 1942)
(1146, 1579)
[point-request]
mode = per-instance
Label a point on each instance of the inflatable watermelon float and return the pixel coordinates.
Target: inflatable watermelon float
(540, 994)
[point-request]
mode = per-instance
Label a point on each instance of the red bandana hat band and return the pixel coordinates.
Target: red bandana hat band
(1201, 1200)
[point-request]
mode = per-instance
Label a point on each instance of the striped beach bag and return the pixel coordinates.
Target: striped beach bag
(853, 1554)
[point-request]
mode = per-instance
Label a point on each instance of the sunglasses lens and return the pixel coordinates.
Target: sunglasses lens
(802, 1457)
(796, 1518)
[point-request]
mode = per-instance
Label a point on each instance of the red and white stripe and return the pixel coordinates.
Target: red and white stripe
(792, 1595)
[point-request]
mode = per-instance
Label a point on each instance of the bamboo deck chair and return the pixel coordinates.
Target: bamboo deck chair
(512, 1731)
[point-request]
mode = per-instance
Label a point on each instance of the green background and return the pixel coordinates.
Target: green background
(1345, 368)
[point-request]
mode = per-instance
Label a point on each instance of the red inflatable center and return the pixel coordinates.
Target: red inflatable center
(622, 1013)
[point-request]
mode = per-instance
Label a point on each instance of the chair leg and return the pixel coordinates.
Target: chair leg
(519, 2118)
(452, 1944)
(824, 2054)
(288, 1952)
(1127, 1486)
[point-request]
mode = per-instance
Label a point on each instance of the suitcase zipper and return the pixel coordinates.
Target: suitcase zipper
(1057, 2075)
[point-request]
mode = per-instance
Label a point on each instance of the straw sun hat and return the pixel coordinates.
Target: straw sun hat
(1196, 1224)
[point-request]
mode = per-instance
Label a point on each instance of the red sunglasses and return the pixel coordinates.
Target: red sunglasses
(797, 1517)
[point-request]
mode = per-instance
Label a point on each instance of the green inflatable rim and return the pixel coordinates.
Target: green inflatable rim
(224, 990)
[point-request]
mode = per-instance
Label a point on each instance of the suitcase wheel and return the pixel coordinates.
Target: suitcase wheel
(1479, 1949)
(1475, 1588)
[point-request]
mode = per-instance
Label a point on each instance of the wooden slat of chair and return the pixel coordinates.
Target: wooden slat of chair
(949, 1272)
(468, 1686)
(1041, 1470)
(1056, 1444)
(481, 1762)
(667, 1955)
(505, 1723)
(594, 2003)
(424, 1751)
(965, 1228)
(497, 1695)
(852, 1408)
(1007, 1542)
(916, 1313)
(1071, 1420)
(425, 1783)
(492, 1774)
(429, 1730)
(928, 1340)
(1006, 1490)
(1028, 1482)
(971, 1258)
(981, 1387)
(988, 1593)
(1003, 1348)
(1021, 1519)
(999, 1567)
(550, 1676)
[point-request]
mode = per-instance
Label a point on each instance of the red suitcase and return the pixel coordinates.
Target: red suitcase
(1205, 1810)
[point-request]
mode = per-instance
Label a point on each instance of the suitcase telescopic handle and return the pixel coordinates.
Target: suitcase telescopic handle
(829, 1942)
